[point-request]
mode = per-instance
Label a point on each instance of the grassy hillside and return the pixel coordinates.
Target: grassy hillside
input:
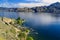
(10, 32)
(7, 32)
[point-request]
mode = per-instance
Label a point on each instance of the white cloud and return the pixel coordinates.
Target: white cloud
(44, 1)
(21, 4)
(34, 0)
(40, 3)
(31, 4)
(50, 1)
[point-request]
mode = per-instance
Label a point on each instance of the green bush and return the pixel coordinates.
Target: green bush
(27, 30)
(30, 38)
(22, 35)
(19, 21)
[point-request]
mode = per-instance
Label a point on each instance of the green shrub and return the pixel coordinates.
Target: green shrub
(22, 35)
(30, 38)
(19, 21)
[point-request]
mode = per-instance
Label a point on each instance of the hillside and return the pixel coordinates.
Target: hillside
(7, 32)
(10, 32)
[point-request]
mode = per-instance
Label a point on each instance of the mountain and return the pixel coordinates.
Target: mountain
(53, 8)
(56, 5)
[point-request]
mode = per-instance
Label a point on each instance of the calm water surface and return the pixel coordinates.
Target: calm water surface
(45, 24)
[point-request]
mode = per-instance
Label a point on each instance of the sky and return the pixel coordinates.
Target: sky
(26, 3)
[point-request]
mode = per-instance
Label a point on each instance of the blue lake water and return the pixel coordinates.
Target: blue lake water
(45, 24)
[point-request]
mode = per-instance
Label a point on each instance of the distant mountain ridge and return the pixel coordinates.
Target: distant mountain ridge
(53, 8)
(57, 4)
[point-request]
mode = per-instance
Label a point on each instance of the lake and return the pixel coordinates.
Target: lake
(47, 26)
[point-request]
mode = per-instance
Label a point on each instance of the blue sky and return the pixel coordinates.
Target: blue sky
(19, 1)
(25, 3)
